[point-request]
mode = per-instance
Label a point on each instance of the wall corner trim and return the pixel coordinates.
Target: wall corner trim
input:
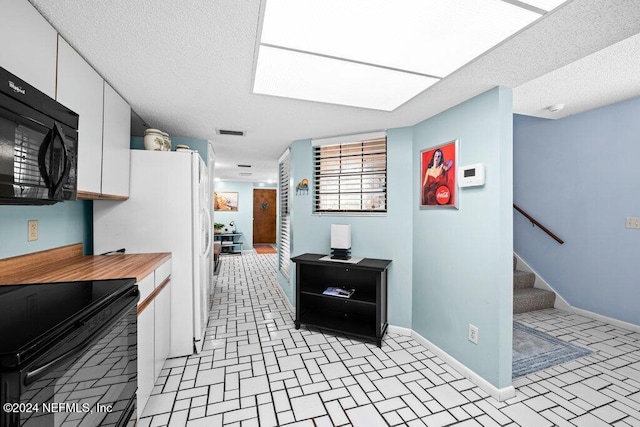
(500, 394)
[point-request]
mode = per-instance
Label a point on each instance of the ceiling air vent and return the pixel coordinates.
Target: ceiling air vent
(244, 166)
(245, 174)
(230, 132)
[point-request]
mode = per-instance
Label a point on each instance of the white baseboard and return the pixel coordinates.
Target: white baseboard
(500, 394)
(399, 330)
(615, 322)
(286, 300)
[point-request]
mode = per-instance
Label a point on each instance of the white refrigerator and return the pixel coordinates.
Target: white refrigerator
(168, 210)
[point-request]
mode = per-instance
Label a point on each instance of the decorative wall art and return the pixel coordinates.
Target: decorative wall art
(302, 187)
(225, 201)
(438, 185)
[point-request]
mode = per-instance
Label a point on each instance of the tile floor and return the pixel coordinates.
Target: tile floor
(257, 370)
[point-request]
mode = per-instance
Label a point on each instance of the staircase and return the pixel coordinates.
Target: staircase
(527, 298)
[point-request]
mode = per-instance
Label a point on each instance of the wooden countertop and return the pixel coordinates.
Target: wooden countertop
(68, 264)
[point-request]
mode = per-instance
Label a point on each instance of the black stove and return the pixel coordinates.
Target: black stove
(68, 353)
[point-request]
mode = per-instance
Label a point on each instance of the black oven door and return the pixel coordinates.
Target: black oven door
(89, 378)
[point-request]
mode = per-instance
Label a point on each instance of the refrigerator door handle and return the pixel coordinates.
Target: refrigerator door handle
(209, 237)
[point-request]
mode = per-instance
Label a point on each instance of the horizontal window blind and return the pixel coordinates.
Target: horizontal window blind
(284, 248)
(351, 176)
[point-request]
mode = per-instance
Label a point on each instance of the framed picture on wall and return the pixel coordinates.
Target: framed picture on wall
(438, 181)
(225, 201)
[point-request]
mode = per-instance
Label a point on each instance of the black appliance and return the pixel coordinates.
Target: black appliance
(38, 146)
(68, 353)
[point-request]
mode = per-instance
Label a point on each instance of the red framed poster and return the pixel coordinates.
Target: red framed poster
(438, 181)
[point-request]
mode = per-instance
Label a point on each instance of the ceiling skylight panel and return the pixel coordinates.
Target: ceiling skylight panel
(432, 37)
(310, 77)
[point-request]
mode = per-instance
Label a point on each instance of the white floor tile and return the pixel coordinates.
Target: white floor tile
(213, 421)
(254, 385)
(334, 370)
(365, 416)
(525, 416)
(159, 403)
(256, 368)
(289, 363)
(391, 387)
(307, 407)
(447, 396)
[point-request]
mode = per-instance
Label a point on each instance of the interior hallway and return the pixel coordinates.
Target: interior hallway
(256, 369)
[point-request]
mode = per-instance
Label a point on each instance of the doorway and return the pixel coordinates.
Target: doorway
(264, 216)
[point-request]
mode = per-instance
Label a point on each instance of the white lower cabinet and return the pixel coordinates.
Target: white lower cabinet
(162, 334)
(146, 356)
(154, 330)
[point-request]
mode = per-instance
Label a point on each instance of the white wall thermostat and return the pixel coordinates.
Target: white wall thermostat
(471, 175)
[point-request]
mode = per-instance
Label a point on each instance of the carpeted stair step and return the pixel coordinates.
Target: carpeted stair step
(532, 299)
(523, 279)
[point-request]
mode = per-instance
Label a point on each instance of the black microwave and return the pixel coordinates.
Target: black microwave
(38, 146)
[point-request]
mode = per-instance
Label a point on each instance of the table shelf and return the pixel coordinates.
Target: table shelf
(231, 242)
(363, 314)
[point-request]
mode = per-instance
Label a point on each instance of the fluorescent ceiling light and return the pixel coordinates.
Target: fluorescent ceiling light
(433, 37)
(378, 53)
(297, 75)
(546, 5)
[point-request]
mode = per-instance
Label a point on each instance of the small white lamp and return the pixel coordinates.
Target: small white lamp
(341, 241)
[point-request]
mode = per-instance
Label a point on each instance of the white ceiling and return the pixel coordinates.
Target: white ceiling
(186, 67)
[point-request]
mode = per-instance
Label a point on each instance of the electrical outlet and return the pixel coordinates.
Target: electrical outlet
(32, 230)
(633, 222)
(473, 333)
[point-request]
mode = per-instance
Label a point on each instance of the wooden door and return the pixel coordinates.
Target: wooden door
(264, 215)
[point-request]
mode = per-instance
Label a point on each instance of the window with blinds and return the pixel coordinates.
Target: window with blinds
(351, 177)
(284, 248)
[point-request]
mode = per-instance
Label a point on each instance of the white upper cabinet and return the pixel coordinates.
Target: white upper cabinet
(31, 49)
(115, 144)
(28, 45)
(104, 129)
(80, 88)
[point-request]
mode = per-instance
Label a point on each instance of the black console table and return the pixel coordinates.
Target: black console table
(231, 242)
(363, 314)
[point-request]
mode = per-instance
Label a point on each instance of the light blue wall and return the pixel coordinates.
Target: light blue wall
(387, 237)
(61, 224)
(462, 268)
(450, 267)
(244, 216)
(579, 177)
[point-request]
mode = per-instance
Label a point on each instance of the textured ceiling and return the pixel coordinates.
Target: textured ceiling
(186, 67)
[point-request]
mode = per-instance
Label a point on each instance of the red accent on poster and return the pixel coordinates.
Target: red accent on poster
(438, 187)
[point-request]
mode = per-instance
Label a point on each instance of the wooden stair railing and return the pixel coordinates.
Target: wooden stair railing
(535, 223)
